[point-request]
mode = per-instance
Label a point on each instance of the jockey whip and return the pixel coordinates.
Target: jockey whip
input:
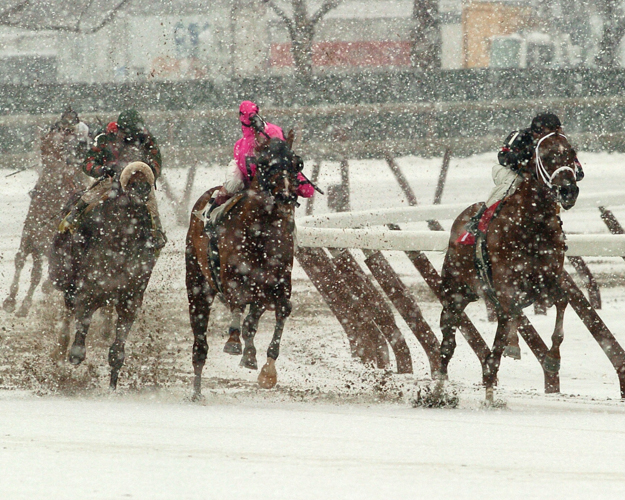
(20, 170)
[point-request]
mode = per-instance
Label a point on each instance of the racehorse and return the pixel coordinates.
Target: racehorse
(59, 180)
(255, 247)
(525, 245)
(108, 260)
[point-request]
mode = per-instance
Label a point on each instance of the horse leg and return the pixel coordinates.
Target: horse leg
(78, 351)
(233, 345)
(62, 343)
(20, 259)
(552, 359)
(35, 278)
(250, 325)
(450, 319)
(200, 301)
(512, 348)
(268, 377)
(126, 312)
(506, 323)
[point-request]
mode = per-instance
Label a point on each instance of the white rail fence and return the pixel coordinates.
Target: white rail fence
(357, 229)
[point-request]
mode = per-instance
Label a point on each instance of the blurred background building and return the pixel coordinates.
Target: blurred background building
(188, 40)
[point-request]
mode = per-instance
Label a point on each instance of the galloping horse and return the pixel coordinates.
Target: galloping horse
(108, 260)
(525, 245)
(60, 178)
(256, 245)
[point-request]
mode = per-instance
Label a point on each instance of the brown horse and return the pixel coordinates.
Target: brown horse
(525, 245)
(60, 178)
(108, 260)
(256, 244)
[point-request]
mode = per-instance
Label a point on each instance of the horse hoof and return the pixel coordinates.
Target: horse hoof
(268, 377)
(491, 403)
(249, 363)
(233, 348)
(9, 305)
(197, 397)
(47, 287)
(22, 312)
(551, 365)
(77, 354)
(435, 394)
(512, 351)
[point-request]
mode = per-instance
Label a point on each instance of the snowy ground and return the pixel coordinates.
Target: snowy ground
(332, 426)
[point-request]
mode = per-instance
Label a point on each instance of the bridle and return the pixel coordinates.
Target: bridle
(541, 171)
(268, 171)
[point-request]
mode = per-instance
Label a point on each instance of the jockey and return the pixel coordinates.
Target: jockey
(515, 153)
(76, 135)
(240, 170)
(123, 142)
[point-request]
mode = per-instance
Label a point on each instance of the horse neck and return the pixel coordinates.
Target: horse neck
(116, 217)
(263, 199)
(537, 202)
(260, 204)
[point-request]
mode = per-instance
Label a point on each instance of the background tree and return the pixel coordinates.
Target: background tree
(302, 27)
(425, 39)
(77, 16)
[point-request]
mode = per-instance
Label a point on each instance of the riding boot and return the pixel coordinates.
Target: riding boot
(472, 225)
(209, 226)
(71, 220)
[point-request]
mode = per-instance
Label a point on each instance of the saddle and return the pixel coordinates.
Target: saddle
(212, 227)
(481, 258)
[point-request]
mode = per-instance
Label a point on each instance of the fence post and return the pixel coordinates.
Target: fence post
(612, 222)
(335, 292)
(442, 177)
(374, 307)
(597, 328)
(310, 202)
(406, 305)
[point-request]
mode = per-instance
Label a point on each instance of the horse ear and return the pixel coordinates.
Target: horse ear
(290, 138)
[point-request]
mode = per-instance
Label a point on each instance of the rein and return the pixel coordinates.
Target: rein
(541, 171)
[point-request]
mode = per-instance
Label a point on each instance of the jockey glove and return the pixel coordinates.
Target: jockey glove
(109, 170)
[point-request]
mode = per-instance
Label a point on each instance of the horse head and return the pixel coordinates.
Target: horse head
(554, 162)
(277, 169)
(136, 181)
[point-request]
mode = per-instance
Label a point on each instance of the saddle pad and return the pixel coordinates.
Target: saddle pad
(467, 238)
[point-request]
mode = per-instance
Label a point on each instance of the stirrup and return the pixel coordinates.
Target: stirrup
(472, 225)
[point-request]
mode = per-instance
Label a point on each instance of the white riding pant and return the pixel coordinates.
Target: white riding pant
(506, 182)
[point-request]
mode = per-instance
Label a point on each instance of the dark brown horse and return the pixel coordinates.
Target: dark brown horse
(256, 245)
(526, 246)
(108, 260)
(60, 178)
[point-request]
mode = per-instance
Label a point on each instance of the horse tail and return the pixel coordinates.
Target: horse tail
(197, 244)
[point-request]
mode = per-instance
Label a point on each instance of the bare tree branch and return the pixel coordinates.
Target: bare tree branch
(71, 29)
(282, 15)
(327, 6)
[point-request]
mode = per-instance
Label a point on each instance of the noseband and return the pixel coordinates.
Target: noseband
(541, 171)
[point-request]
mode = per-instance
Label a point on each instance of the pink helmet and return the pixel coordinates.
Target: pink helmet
(247, 109)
